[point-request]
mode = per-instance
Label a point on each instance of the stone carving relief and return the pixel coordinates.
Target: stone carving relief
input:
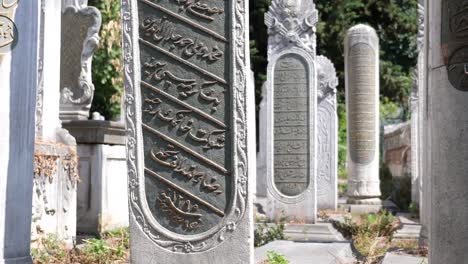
(362, 104)
(327, 139)
(192, 118)
(80, 38)
(8, 30)
(291, 22)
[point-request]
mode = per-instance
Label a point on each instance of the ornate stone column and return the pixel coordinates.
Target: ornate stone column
(362, 104)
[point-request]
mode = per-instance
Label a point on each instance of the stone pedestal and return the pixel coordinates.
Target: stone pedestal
(18, 75)
(55, 163)
(102, 191)
(362, 105)
(447, 87)
(54, 196)
(189, 135)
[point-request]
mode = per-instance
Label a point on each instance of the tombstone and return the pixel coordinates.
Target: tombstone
(55, 158)
(327, 137)
(187, 115)
(292, 113)
(78, 44)
(362, 105)
(18, 71)
(397, 149)
(420, 136)
(417, 107)
(447, 88)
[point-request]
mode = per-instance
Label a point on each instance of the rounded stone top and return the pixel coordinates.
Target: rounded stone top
(362, 29)
(362, 34)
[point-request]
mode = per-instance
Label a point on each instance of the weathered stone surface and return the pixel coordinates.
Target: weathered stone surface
(96, 131)
(392, 258)
(417, 119)
(300, 253)
(447, 126)
(102, 193)
(18, 75)
(362, 103)
(397, 149)
(421, 134)
(54, 198)
(292, 113)
(327, 136)
(186, 71)
(80, 38)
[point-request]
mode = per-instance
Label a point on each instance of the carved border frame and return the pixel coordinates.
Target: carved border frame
(313, 109)
(137, 202)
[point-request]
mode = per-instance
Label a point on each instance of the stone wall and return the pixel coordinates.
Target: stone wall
(397, 149)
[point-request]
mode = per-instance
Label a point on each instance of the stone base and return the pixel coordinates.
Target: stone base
(320, 232)
(392, 258)
(361, 208)
(365, 201)
(22, 260)
(300, 253)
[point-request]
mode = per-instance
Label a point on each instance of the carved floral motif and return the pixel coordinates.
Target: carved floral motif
(291, 22)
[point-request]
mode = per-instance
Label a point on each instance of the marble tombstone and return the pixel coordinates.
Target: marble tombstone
(362, 105)
(79, 42)
(299, 120)
(187, 110)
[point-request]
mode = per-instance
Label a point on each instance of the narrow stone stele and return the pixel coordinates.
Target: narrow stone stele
(189, 141)
(362, 105)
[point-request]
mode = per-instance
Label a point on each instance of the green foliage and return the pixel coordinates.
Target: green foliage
(371, 233)
(107, 61)
(266, 233)
(113, 247)
(342, 149)
(276, 258)
(342, 189)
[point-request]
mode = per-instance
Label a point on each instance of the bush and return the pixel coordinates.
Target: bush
(107, 61)
(265, 233)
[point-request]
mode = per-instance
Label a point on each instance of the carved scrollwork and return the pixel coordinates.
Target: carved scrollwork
(292, 22)
(327, 80)
(236, 214)
(80, 91)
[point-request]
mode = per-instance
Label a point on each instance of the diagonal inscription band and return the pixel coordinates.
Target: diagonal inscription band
(188, 106)
(180, 189)
(185, 20)
(188, 150)
(179, 59)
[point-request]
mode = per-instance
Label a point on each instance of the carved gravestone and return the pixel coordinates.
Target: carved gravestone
(362, 104)
(327, 136)
(447, 124)
(186, 110)
(294, 124)
(80, 37)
